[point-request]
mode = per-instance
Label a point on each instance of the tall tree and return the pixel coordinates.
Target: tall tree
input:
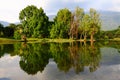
(95, 23)
(76, 19)
(85, 26)
(62, 24)
(73, 27)
(79, 13)
(35, 21)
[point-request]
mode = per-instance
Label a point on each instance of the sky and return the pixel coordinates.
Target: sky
(10, 9)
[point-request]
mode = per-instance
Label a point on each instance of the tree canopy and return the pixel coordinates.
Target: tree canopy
(34, 21)
(62, 24)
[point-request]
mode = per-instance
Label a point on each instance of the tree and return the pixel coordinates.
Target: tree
(62, 24)
(117, 33)
(85, 26)
(95, 23)
(17, 35)
(76, 19)
(79, 14)
(18, 31)
(73, 28)
(34, 21)
(12, 25)
(1, 30)
(34, 57)
(8, 31)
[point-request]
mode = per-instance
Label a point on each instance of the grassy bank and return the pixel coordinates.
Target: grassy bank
(8, 41)
(44, 40)
(116, 39)
(34, 40)
(30, 40)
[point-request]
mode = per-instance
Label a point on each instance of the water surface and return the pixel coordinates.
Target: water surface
(60, 61)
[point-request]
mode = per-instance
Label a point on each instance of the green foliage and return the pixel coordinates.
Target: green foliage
(17, 35)
(85, 25)
(111, 34)
(8, 32)
(117, 33)
(1, 30)
(88, 24)
(76, 22)
(106, 37)
(12, 26)
(33, 57)
(62, 24)
(34, 21)
(79, 13)
(54, 31)
(18, 31)
(95, 23)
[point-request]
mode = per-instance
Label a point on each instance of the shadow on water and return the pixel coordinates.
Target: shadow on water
(77, 55)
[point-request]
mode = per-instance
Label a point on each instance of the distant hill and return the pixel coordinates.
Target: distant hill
(110, 20)
(51, 17)
(4, 23)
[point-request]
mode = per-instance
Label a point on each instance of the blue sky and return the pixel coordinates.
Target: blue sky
(9, 9)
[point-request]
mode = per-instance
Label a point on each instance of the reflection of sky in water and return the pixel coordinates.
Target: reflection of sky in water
(110, 56)
(109, 69)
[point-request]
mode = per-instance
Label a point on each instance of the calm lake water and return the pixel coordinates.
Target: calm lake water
(60, 61)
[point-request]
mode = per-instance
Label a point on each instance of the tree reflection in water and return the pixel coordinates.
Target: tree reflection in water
(6, 48)
(35, 57)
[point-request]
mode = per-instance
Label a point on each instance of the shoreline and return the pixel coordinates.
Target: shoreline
(45, 40)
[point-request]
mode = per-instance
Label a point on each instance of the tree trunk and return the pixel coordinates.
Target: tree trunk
(72, 36)
(77, 33)
(85, 37)
(92, 39)
(81, 36)
(91, 43)
(24, 38)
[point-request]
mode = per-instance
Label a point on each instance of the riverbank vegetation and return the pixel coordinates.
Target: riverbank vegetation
(66, 26)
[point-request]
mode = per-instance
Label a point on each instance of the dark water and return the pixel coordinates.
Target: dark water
(60, 61)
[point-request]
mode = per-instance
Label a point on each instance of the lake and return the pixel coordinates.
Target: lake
(60, 61)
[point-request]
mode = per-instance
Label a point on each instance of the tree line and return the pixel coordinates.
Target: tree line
(76, 24)
(7, 31)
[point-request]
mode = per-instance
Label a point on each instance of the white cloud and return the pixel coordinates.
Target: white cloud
(115, 5)
(79, 0)
(9, 9)
(73, 0)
